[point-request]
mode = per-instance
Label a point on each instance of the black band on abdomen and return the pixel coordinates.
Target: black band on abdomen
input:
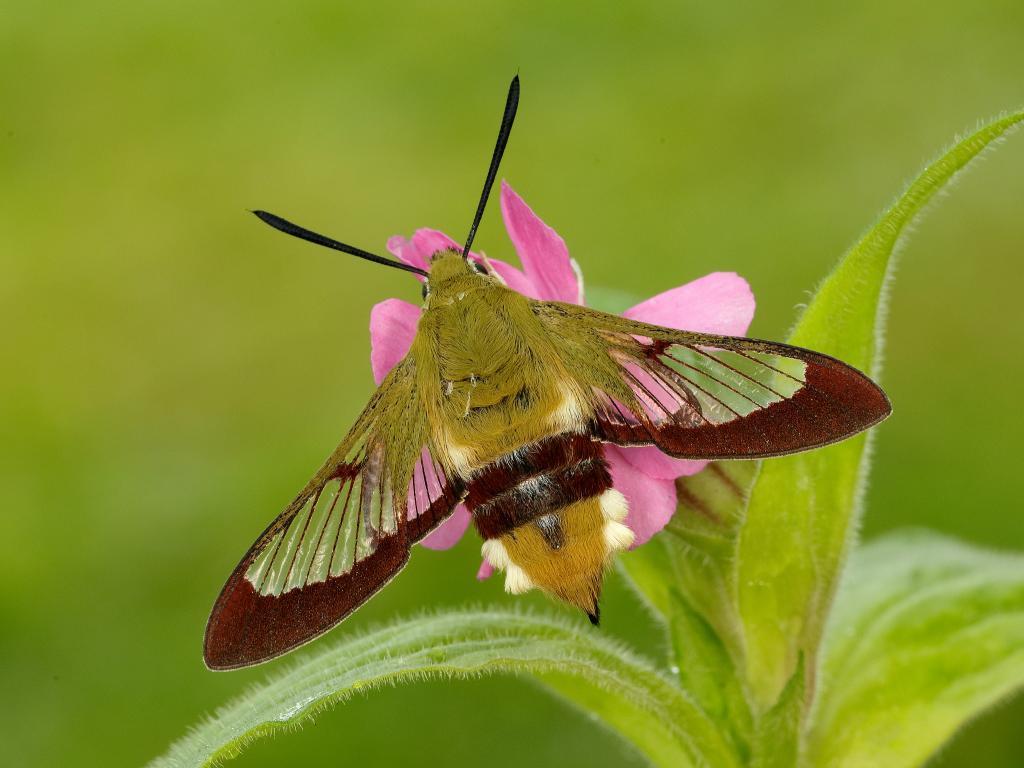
(536, 480)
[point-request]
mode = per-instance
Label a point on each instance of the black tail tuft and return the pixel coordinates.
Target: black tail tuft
(595, 615)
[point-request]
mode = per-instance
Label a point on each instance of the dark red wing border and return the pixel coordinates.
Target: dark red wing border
(835, 401)
(247, 627)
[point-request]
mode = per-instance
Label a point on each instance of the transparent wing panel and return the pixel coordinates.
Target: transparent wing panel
(336, 528)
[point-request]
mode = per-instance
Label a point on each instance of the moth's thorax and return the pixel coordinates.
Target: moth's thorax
(489, 379)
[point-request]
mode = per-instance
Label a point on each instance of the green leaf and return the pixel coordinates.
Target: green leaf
(706, 670)
(803, 509)
(927, 632)
(703, 535)
(573, 660)
(694, 554)
(777, 739)
(684, 574)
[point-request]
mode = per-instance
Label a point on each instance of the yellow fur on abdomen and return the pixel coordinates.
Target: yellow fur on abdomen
(591, 532)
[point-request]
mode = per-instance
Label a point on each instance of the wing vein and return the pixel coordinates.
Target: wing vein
(717, 380)
(739, 372)
(656, 372)
(320, 538)
(698, 386)
(298, 543)
(646, 391)
(341, 522)
(771, 367)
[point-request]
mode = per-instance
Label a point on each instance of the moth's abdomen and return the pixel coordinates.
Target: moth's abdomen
(534, 481)
(550, 518)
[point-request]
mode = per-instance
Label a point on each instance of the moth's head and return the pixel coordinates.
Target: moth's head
(451, 274)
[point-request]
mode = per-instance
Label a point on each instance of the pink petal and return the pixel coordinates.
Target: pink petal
(652, 502)
(392, 329)
(448, 533)
(543, 254)
(515, 279)
(404, 250)
(485, 572)
(430, 241)
(653, 463)
(717, 303)
(424, 244)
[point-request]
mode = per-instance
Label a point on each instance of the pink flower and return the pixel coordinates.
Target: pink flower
(717, 303)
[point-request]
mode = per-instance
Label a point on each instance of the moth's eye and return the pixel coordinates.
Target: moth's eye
(426, 290)
(479, 267)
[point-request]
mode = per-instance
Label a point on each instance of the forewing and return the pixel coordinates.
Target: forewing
(343, 537)
(701, 396)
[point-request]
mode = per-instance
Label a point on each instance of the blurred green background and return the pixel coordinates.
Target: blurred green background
(174, 371)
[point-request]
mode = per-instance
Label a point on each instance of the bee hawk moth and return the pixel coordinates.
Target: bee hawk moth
(505, 403)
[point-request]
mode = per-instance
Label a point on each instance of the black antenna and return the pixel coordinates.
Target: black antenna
(511, 103)
(304, 234)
